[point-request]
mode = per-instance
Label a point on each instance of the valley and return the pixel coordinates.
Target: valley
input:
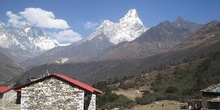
(134, 65)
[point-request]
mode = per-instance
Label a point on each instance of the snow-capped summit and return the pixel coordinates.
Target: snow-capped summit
(127, 29)
(131, 17)
(28, 38)
(106, 23)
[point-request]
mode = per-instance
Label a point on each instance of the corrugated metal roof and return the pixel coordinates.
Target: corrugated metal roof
(213, 88)
(4, 89)
(65, 79)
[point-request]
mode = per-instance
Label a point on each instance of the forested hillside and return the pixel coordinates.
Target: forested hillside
(179, 82)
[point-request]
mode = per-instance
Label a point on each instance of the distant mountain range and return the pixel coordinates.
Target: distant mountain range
(113, 50)
(126, 39)
(158, 39)
(100, 46)
(106, 35)
(208, 38)
(21, 43)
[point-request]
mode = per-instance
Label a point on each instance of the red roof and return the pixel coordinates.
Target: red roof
(80, 84)
(18, 90)
(67, 80)
(4, 89)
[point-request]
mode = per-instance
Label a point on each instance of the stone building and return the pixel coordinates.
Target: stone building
(3, 90)
(57, 92)
(7, 96)
(211, 97)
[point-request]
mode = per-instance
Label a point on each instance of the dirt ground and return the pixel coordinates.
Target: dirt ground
(130, 94)
(167, 105)
(10, 107)
(133, 93)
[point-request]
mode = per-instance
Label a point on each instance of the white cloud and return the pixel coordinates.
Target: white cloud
(14, 19)
(38, 17)
(44, 19)
(90, 25)
(47, 20)
(67, 36)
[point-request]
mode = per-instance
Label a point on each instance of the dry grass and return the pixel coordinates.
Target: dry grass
(130, 94)
(168, 105)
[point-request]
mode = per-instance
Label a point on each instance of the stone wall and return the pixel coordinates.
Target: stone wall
(52, 94)
(9, 98)
(92, 105)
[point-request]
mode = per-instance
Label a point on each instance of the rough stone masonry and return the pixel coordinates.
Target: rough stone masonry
(53, 94)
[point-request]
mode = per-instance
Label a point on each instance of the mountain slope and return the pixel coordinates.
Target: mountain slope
(207, 35)
(26, 40)
(107, 34)
(91, 72)
(8, 69)
(158, 39)
(171, 82)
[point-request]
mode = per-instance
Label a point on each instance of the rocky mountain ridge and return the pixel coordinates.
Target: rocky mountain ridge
(156, 40)
(91, 72)
(106, 35)
(26, 40)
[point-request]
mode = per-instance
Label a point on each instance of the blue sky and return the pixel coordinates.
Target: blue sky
(80, 17)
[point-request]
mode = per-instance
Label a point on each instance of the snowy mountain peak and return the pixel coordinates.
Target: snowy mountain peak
(127, 29)
(131, 14)
(26, 37)
(106, 22)
(131, 17)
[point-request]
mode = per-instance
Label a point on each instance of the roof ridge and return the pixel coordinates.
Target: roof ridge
(78, 83)
(66, 79)
(4, 89)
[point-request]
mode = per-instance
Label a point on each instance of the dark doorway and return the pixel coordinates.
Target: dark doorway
(18, 100)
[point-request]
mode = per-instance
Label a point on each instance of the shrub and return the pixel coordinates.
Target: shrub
(106, 98)
(120, 102)
(147, 99)
(187, 92)
(172, 90)
(126, 86)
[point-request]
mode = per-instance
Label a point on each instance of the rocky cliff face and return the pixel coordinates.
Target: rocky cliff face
(158, 39)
